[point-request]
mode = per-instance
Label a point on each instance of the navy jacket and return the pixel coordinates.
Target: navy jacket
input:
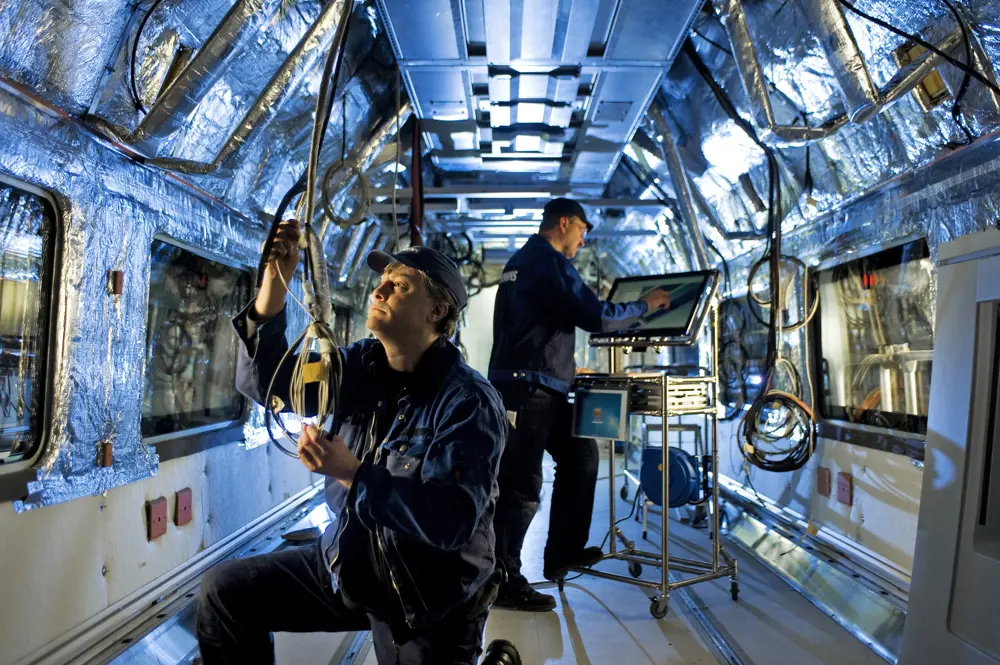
(540, 302)
(431, 504)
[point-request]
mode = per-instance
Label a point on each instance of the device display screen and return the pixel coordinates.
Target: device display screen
(685, 293)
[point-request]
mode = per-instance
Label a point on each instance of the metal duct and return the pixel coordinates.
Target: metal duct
(682, 189)
(734, 19)
(332, 23)
(232, 35)
(862, 99)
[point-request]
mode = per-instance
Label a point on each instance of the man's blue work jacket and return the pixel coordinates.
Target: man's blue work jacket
(431, 503)
(540, 302)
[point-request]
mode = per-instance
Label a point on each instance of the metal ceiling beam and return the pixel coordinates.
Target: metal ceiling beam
(512, 197)
(607, 204)
(401, 208)
(478, 191)
(484, 234)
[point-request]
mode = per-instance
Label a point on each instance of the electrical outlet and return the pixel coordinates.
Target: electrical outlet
(182, 514)
(845, 488)
(823, 481)
(156, 518)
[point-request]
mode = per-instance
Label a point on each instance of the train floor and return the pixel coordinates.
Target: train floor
(598, 622)
(602, 622)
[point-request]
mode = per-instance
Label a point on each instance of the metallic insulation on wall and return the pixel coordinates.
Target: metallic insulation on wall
(61, 49)
(365, 112)
(110, 211)
(213, 80)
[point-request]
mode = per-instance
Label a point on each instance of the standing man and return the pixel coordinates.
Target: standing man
(411, 475)
(541, 302)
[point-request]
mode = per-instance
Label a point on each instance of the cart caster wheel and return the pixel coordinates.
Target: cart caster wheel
(734, 590)
(624, 492)
(658, 607)
(562, 584)
(634, 569)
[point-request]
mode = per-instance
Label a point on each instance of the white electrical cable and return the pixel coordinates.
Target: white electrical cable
(288, 289)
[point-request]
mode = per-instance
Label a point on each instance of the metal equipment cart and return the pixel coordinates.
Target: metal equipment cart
(659, 395)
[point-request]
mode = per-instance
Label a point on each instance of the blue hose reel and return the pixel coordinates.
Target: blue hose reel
(685, 477)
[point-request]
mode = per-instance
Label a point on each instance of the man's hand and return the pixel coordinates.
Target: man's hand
(657, 299)
(284, 254)
(284, 257)
(329, 457)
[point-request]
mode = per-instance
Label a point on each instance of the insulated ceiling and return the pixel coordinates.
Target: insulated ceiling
(522, 91)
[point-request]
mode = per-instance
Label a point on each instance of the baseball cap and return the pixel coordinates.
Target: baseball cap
(436, 265)
(560, 207)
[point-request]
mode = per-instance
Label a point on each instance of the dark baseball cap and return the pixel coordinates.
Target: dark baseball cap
(436, 265)
(557, 208)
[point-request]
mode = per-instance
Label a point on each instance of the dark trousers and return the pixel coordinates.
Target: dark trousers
(543, 423)
(244, 600)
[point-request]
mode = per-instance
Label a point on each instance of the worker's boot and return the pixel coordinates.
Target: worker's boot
(557, 569)
(501, 652)
(518, 595)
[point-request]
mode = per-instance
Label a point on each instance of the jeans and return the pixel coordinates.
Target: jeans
(243, 601)
(543, 423)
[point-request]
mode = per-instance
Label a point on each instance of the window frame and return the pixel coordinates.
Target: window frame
(896, 441)
(197, 439)
(16, 474)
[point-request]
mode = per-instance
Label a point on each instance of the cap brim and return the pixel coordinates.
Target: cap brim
(378, 260)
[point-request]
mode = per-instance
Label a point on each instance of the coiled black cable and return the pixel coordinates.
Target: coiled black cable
(800, 449)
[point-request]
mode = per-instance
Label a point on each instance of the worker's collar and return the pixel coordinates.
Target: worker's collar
(539, 240)
(425, 379)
